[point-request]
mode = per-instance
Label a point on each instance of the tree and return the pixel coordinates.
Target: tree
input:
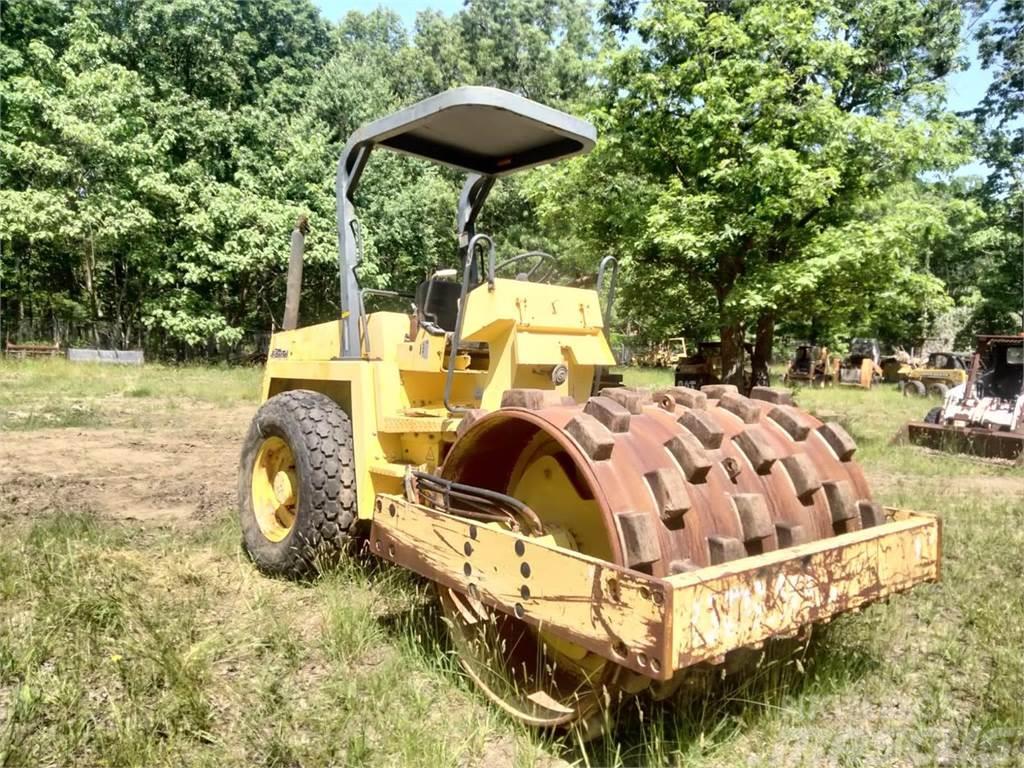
(539, 48)
(759, 127)
(82, 168)
(131, 130)
(1000, 113)
(761, 164)
(1000, 118)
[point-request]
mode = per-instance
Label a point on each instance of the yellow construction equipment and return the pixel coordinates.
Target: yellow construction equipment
(584, 544)
(860, 368)
(704, 367)
(663, 355)
(812, 365)
(942, 372)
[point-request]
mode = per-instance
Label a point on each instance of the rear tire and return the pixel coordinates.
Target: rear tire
(938, 389)
(914, 387)
(299, 446)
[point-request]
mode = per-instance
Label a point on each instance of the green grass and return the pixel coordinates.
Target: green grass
(123, 644)
(55, 393)
(139, 648)
(646, 377)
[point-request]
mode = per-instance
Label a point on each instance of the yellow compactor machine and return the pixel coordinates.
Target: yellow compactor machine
(585, 542)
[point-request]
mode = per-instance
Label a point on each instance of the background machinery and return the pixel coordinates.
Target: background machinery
(664, 355)
(985, 414)
(861, 366)
(704, 367)
(585, 545)
(942, 372)
(811, 365)
(891, 365)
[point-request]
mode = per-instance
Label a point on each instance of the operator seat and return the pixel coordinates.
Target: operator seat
(1005, 381)
(443, 311)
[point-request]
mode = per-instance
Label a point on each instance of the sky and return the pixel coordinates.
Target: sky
(407, 9)
(965, 88)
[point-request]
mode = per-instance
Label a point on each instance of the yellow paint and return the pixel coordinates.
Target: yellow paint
(385, 332)
(568, 590)
(529, 328)
(869, 370)
(313, 342)
(951, 377)
(651, 625)
(575, 654)
(746, 601)
(275, 492)
(540, 482)
(513, 336)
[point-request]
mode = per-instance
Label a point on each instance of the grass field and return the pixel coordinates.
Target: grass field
(133, 631)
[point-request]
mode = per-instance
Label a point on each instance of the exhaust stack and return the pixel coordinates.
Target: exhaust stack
(293, 291)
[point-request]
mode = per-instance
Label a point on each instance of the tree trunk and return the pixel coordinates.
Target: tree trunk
(763, 348)
(732, 353)
(122, 312)
(88, 270)
(22, 290)
(293, 292)
(731, 329)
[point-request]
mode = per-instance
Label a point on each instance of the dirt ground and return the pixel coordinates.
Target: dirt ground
(173, 474)
(179, 467)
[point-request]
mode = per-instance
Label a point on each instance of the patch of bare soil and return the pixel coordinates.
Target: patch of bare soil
(175, 473)
(504, 752)
(1001, 486)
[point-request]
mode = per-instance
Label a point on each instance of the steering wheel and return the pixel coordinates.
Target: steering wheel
(545, 260)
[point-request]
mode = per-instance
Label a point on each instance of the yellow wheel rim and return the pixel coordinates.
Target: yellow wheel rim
(573, 522)
(275, 488)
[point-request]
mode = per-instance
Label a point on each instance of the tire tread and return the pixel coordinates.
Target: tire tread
(330, 494)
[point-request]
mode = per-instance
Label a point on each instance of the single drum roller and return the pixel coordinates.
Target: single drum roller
(587, 542)
(662, 484)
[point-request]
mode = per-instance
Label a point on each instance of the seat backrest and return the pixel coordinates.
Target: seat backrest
(443, 310)
(1005, 380)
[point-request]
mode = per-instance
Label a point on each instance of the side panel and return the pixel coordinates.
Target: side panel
(311, 342)
(743, 602)
(351, 384)
(535, 307)
(616, 613)
(531, 328)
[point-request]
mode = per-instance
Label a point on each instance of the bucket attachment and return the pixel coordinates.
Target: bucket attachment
(975, 441)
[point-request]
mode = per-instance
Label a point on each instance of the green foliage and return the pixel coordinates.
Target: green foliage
(767, 163)
(761, 164)
(129, 137)
(158, 153)
(1001, 112)
(1000, 118)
